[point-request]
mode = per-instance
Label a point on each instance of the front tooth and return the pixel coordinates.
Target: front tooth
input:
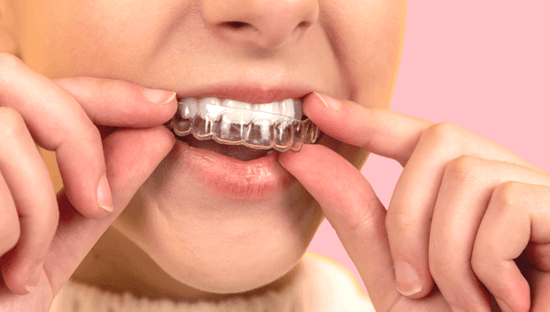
(188, 108)
(241, 112)
(272, 108)
(287, 108)
(241, 115)
(237, 104)
(210, 106)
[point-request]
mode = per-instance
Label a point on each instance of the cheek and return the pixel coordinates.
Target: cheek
(217, 245)
(367, 37)
(95, 37)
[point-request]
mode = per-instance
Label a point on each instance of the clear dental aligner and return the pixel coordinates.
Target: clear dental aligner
(276, 125)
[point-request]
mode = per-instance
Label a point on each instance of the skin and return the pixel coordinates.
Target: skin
(345, 50)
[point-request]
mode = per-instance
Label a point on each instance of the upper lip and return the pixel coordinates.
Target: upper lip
(252, 94)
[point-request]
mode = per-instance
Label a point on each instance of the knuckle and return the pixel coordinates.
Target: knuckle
(442, 138)
(400, 222)
(363, 221)
(444, 132)
(92, 137)
(464, 166)
(12, 124)
(85, 131)
(90, 132)
(506, 195)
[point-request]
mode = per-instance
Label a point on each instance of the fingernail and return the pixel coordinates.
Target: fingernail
(408, 280)
(159, 96)
(34, 278)
(330, 103)
(104, 196)
(503, 305)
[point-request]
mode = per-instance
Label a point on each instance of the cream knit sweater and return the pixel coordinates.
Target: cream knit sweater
(322, 286)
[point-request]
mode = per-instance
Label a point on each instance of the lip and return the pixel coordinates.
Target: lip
(234, 179)
(253, 94)
(228, 177)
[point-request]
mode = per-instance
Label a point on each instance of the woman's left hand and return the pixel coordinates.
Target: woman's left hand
(466, 214)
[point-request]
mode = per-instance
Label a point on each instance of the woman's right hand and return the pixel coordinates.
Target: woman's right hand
(44, 237)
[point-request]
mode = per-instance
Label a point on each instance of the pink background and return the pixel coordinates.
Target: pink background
(483, 65)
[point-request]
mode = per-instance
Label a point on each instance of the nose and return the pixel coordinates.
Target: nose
(266, 24)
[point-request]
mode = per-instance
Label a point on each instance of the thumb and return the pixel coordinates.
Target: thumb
(131, 155)
(355, 213)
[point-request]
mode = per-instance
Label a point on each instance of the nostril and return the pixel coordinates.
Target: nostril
(304, 24)
(235, 25)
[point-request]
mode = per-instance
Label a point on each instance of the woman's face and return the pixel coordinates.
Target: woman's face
(212, 222)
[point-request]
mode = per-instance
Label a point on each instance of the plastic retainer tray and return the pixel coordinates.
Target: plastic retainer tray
(262, 132)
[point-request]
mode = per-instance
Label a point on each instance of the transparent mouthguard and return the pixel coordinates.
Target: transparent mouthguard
(238, 126)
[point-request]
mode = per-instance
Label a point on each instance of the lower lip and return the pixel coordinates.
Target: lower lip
(238, 180)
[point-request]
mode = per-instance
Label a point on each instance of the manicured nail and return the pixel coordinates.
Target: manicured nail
(159, 96)
(408, 280)
(34, 278)
(330, 103)
(104, 196)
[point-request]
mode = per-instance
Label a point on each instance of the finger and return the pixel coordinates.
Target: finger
(388, 133)
(34, 197)
(381, 131)
(57, 122)
(9, 221)
(413, 202)
(131, 156)
(517, 214)
(423, 149)
(465, 192)
(355, 212)
(118, 103)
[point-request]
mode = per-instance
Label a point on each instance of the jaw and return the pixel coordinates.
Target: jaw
(211, 243)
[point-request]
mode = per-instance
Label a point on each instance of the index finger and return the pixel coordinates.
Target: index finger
(56, 122)
(380, 131)
(358, 217)
(119, 103)
(61, 116)
(353, 210)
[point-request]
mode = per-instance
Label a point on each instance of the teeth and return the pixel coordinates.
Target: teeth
(272, 108)
(298, 109)
(211, 106)
(187, 111)
(241, 114)
(275, 125)
(287, 108)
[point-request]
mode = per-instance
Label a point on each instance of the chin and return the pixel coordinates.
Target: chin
(215, 242)
(234, 268)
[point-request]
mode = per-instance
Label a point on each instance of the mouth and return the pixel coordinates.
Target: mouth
(229, 138)
(241, 130)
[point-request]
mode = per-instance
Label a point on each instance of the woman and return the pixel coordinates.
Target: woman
(200, 227)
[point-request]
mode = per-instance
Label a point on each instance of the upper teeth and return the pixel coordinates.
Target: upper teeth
(242, 112)
(277, 125)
